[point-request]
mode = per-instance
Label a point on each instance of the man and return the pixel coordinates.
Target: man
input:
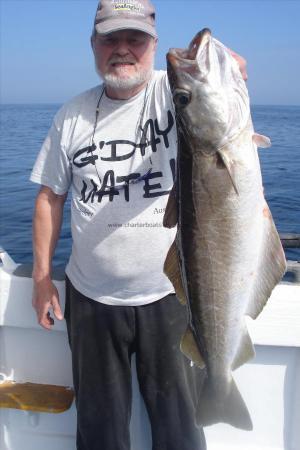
(115, 146)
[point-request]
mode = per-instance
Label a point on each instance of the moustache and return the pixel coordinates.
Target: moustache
(115, 60)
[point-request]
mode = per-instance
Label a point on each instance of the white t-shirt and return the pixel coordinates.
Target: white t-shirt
(119, 242)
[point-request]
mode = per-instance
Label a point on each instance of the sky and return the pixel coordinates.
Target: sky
(45, 52)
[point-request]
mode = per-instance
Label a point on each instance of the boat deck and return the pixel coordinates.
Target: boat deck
(28, 354)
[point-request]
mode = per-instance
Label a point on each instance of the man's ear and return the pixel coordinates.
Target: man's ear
(92, 39)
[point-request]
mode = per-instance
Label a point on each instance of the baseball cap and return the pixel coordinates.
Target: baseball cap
(116, 15)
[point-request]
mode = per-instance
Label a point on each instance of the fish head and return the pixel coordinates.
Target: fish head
(209, 93)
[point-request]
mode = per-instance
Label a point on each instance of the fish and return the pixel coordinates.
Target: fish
(227, 256)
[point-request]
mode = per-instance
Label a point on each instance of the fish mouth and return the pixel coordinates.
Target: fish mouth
(183, 63)
(177, 56)
(199, 42)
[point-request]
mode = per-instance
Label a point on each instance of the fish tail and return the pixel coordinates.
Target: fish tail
(214, 407)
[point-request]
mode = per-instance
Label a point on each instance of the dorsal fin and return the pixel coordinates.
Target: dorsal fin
(171, 215)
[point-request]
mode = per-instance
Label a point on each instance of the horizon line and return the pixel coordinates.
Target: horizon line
(62, 103)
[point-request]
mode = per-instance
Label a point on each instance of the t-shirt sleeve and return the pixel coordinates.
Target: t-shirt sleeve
(52, 167)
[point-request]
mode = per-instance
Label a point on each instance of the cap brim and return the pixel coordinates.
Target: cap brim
(118, 25)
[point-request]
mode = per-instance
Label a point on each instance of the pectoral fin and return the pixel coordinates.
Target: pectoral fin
(172, 270)
(229, 164)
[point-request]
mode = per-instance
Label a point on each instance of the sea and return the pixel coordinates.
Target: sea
(24, 127)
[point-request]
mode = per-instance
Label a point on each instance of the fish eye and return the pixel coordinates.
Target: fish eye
(181, 98)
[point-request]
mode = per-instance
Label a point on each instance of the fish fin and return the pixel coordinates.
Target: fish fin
(271, 268)
(261, 140)
(190, 349)
(172, 270)
(229, 164)
(227, 408)
(245, 351)
(170, 217)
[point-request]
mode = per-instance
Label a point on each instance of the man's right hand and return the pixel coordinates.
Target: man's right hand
(46, 226)
(46, 298)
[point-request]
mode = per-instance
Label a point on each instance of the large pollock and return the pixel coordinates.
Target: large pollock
(227, 256)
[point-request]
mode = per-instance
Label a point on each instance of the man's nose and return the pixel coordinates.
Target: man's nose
(122, 47)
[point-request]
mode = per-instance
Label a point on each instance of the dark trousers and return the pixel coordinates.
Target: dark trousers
(102, 339)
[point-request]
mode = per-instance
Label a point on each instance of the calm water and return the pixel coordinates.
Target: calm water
(24, 127)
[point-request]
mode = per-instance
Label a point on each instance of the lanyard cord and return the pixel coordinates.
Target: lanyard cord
(97, 114)
(93, 146)
(139, 127)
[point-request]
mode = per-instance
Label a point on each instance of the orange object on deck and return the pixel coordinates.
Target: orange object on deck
(35, 397)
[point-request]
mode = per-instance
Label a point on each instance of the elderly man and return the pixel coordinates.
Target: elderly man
(115, 146)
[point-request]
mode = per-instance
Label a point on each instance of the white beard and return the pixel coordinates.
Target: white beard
(129, 82)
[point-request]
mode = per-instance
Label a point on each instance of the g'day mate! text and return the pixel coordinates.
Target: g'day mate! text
(113, 184)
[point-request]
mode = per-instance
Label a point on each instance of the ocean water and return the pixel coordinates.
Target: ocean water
(24, 127)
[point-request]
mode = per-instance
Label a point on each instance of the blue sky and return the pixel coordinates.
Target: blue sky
(46, 55)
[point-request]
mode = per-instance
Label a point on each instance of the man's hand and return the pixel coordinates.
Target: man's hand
(242, 64)
(46, 226)
(45, 298)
